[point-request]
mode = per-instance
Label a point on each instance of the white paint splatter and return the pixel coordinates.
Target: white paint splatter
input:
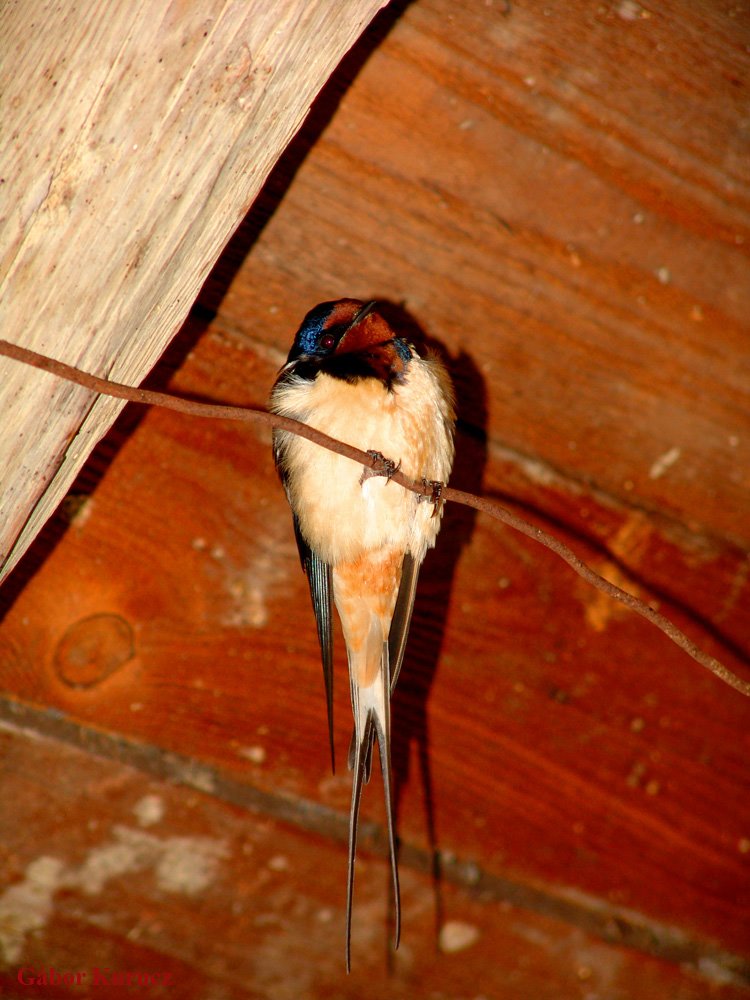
(191, 773)
(180, 864)
(149, 810)
(189, 864)
(105, 863)
(629, 10)
(27, 906)
(455, 935)
(256, 754)
(664, 462)
(249, 584)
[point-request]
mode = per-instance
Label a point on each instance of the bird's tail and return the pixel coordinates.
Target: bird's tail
(372, 720)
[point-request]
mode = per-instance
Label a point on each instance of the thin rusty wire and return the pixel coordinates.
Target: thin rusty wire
(379, 466)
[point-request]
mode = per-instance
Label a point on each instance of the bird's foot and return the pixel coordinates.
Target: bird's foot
(433, 493)
(383, 467)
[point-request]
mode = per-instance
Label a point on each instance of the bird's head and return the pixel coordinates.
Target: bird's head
(350, 340)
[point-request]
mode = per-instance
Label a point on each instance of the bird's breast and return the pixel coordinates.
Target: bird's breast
(341, 515)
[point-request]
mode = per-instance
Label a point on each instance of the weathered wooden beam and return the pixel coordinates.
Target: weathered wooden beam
(135, 137)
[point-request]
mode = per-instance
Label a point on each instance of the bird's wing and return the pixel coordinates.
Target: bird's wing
(399, 631)
(319, 579)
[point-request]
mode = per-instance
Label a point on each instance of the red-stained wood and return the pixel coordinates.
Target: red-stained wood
(564, 742)
(555, 194)
(130, 875)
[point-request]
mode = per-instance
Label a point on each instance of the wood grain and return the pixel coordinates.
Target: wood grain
(136, 140)
(147, 877)
(556, 194)
(561, 743)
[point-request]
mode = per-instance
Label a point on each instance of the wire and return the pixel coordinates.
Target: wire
(380, 466)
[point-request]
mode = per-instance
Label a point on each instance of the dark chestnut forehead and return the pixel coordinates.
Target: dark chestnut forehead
(342, 312)
(368, 332)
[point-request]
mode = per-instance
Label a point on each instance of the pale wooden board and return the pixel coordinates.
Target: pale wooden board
(135, 138)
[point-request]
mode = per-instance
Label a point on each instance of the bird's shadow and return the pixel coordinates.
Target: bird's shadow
(409, 708)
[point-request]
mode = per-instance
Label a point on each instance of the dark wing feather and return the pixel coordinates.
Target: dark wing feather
(319, 578)
(321, 588)
(399, 632)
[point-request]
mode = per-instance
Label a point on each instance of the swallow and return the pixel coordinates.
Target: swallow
(361, 539)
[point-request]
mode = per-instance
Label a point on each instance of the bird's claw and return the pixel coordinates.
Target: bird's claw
(434, 496)
(383, 467)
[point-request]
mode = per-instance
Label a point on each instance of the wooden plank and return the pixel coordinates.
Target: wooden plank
(113, 872)
(522, 203)
(137, 138)
(562, 744)
(568, 216)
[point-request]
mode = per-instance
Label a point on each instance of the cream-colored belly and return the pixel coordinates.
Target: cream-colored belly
(340, 516)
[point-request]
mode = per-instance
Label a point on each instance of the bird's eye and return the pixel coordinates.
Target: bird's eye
(327, 341)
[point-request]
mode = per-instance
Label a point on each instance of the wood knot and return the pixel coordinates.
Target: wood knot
(92, 649)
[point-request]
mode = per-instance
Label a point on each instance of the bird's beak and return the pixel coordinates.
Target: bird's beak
(361, 313)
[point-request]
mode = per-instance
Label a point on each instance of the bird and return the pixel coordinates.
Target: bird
(362, 539)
